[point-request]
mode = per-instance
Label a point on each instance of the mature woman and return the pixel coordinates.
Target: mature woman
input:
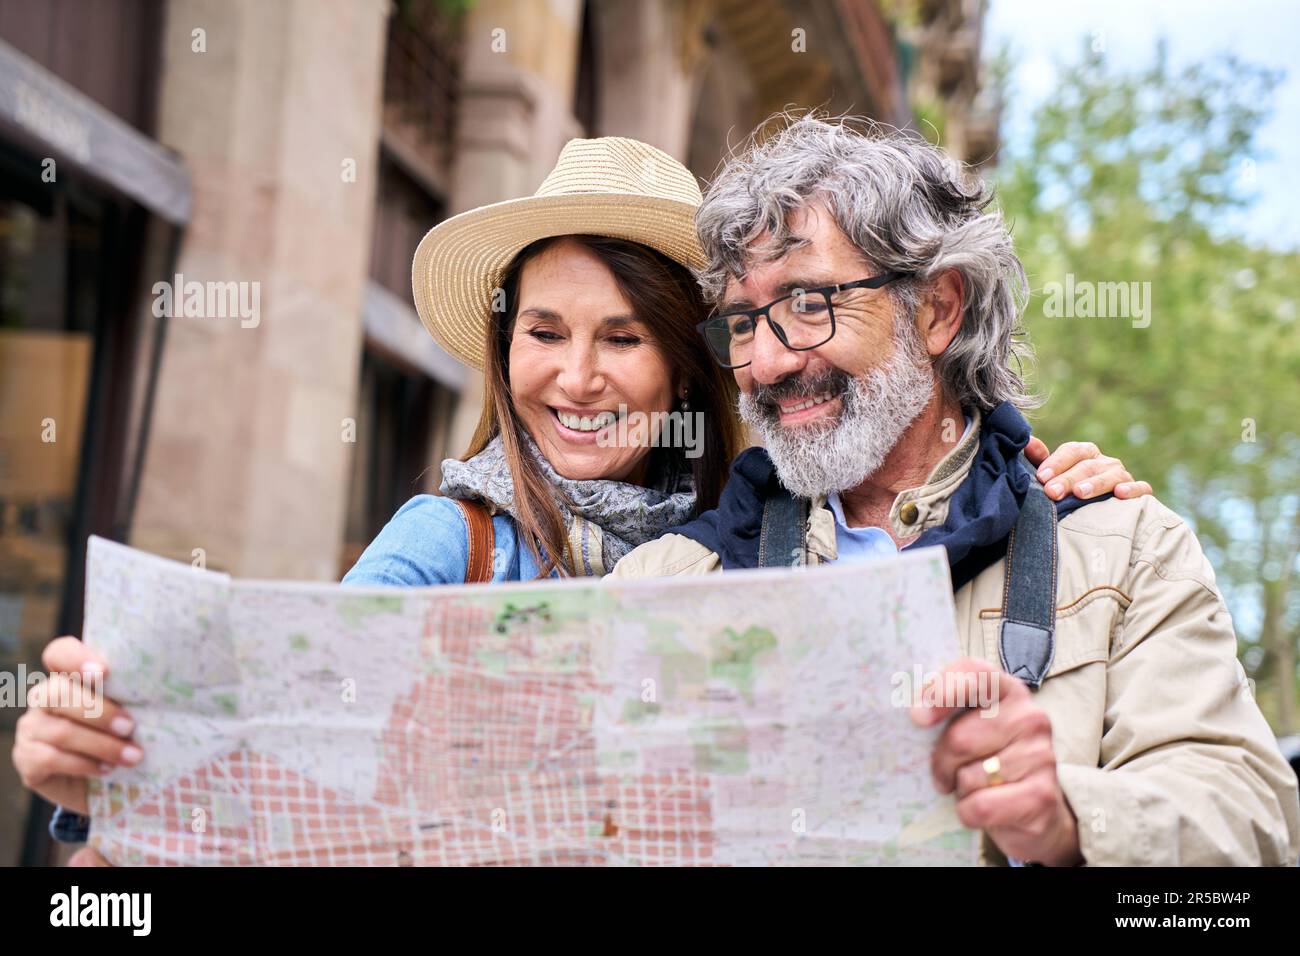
(579, 305)
(594, 330)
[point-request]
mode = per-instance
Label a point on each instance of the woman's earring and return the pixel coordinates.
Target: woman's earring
(686, 406)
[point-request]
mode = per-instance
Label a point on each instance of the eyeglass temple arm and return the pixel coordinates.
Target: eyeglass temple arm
(875, 282)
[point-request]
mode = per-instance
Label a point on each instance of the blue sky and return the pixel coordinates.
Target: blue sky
(1045, 33)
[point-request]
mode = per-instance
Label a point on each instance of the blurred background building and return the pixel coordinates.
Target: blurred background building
(306, 146)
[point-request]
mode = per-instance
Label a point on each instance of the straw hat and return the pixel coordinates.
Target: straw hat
(610, 186)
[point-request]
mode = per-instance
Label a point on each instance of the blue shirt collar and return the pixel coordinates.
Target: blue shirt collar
(842, 527)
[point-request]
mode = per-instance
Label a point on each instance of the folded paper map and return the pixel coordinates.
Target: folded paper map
(747, 718)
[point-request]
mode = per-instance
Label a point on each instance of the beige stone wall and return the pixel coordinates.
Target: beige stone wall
(245, 457)
(516, 113)
(651, 58)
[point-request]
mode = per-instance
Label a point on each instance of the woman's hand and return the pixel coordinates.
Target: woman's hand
(56, 748)
(88, 856)
(1079, 468)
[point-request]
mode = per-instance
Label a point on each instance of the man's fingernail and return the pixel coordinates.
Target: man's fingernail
(1045, 473)
(92, 669)
(1054, 488)
(1085, 489)
(122, 726)
(105, 768)
(132, 754)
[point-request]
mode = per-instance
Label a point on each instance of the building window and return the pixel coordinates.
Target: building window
(403, 420)
(585, 95)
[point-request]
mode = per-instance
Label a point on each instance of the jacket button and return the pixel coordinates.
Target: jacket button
(908, 513)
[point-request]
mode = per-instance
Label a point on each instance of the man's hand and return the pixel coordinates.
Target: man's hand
(1025, 814)
(1079, 468)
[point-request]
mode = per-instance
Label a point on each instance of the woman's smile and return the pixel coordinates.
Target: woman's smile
(582, 427)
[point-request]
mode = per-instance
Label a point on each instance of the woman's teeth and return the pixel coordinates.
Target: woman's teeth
(815, 400)
(586, 423)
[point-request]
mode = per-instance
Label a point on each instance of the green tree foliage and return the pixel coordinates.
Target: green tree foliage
(1130, 178)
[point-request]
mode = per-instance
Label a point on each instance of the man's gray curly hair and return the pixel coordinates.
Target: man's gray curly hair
(907, 207)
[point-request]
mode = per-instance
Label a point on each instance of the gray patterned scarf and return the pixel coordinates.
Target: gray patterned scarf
(605, 519)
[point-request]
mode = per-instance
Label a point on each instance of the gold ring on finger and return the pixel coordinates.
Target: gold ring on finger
(993, 772)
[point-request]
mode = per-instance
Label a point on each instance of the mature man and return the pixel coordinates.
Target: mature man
(868, 300)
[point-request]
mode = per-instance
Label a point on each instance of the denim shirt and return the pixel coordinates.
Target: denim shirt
(425, 543)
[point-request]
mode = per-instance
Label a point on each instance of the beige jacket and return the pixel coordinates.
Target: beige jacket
(1161, 751)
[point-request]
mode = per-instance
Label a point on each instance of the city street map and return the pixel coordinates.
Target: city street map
(750, 718)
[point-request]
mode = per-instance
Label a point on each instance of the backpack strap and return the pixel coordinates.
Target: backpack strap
(478, 569)
(1028, 640)
(782, 542)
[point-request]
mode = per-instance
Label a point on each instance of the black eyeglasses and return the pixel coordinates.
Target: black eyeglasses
(802, 320)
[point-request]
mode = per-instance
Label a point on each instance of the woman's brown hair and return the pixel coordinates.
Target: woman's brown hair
(665, 296)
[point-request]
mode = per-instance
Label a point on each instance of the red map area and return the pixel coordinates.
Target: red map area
(485, 762)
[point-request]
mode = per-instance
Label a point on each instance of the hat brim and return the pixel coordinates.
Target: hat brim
(460, 262)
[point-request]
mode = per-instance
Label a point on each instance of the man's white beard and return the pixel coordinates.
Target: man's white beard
(834, 455)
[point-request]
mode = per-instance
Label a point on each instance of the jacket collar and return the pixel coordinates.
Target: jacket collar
(969, 503)
(915, 510)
